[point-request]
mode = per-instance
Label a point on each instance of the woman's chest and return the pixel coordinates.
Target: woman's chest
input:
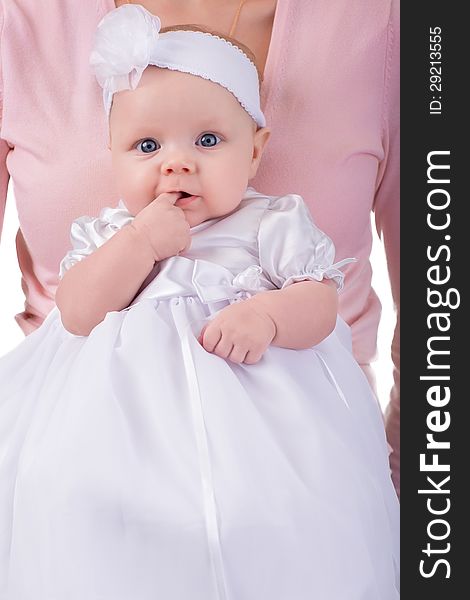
(249, 21)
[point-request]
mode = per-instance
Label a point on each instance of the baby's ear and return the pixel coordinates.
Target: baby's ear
(260, 139)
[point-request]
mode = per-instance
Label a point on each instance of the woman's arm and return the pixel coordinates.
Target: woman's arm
(4, 148)
(106, 280)
(387, 218)
(4, 176)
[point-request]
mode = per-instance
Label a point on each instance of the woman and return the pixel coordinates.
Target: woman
(330, 93)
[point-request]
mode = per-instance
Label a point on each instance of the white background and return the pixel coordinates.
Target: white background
(11, 300)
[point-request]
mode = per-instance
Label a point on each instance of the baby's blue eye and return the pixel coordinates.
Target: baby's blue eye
(208, 140)
(148, 145)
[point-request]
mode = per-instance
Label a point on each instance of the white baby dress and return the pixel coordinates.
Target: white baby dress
(134, 465)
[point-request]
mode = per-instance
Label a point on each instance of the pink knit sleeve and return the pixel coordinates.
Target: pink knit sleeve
(4, 176)
(387, 217)
(4, 148)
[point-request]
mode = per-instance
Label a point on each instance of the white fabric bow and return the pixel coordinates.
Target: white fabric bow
(214, 283)
(123, 46)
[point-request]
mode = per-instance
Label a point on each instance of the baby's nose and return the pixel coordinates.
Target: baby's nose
(177, 165)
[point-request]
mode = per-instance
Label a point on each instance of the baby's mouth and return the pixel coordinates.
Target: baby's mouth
(185, 198)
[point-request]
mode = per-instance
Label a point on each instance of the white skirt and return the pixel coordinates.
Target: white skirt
(134, 465)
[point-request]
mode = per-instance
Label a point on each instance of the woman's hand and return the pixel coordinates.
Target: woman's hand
(240, 333)
(164, 226)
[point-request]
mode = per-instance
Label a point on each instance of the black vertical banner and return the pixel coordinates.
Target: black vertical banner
(435, 331)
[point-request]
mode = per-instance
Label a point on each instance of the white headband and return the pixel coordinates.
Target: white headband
(128, 40)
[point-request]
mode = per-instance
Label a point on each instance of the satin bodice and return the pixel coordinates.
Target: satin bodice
(267, 243)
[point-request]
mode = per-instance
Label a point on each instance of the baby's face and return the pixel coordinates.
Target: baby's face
(178, 132)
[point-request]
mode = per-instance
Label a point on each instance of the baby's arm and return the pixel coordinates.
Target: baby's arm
(109, 279)
(304, 313)
(297, 317)
(294, 315)
(106, 280)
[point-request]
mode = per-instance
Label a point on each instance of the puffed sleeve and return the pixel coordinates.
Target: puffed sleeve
(88, 233)
(292, 248)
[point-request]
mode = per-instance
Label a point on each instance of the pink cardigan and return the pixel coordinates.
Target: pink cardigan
(330, 95)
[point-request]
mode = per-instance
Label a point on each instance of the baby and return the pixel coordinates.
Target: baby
(183, 150)
(189, 423)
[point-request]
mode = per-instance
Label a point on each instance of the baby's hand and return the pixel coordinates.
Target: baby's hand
(241, 332)
(164, 226)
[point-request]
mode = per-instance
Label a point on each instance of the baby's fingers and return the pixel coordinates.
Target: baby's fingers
(168, 198)
(238, 354)
(186, 247)
(253, 356)
(210, 337)
(223, 348)
(200, 337)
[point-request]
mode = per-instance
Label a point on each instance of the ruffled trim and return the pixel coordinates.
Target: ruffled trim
(228, 42)
(89, 233)
(319, 273)
(116, 217)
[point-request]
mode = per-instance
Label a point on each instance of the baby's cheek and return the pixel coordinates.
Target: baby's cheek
(136, 190)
